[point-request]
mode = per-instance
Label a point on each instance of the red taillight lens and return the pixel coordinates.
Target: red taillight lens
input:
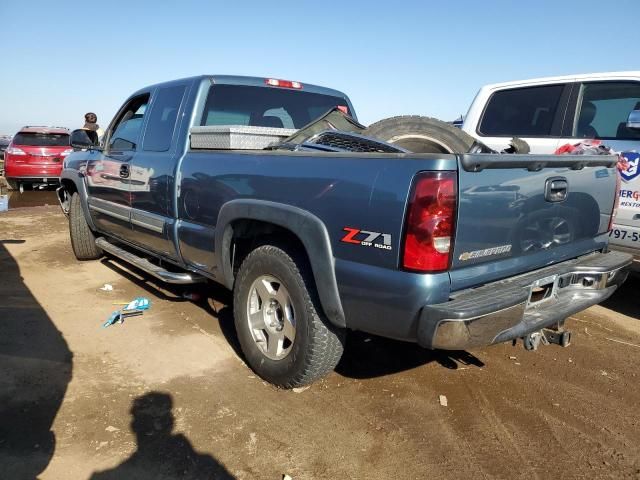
(616, 200)
(428, 239)
(15, 151)
(14, 155)
(274, 82)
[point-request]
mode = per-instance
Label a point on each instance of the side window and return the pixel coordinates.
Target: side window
(162, 118)
(125, 134)
(525, 112)
(604, 108)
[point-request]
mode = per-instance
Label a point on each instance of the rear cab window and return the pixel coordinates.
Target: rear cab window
(603, 110)
(41, 139)
(524, 112)
(162, 118)
(266, 106)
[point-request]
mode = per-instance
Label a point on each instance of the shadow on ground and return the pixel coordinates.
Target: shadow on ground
(369, 356)
(366, 356)
(161, 454)
(214, 299)
(626, 299)
(35, 369)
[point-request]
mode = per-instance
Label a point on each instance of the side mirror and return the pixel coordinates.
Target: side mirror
(84, 139)
(634, 120)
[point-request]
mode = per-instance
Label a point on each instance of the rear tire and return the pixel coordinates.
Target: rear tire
(275, 300)
(421, 134)
(83, 241)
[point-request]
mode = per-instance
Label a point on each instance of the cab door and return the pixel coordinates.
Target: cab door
(600, 111)
(153, 170)
(108, 173)
(533, 113)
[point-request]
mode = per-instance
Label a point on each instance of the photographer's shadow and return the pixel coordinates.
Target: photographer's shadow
(35, 369)
(161, 454)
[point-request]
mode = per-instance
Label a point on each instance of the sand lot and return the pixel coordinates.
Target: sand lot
(167, 395)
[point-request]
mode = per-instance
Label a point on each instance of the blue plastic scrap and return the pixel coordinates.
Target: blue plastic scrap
(131, 309)
(140, 303)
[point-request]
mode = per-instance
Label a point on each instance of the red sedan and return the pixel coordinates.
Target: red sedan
(35, 155)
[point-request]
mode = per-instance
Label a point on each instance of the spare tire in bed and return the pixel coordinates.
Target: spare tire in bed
(421, 134)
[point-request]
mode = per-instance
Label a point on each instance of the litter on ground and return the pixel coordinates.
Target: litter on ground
(133, 308)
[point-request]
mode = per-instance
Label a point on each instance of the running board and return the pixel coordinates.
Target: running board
(144, 264)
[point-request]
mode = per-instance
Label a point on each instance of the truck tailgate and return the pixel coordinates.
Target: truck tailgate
(517, 213)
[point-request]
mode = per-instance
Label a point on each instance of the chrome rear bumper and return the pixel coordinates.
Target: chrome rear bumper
(511, 308)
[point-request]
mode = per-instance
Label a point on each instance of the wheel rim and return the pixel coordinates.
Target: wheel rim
(270, 317)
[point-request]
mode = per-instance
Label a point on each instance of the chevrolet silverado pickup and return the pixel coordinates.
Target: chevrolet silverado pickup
(334, 231)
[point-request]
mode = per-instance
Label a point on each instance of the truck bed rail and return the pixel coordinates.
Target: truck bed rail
(534, 163)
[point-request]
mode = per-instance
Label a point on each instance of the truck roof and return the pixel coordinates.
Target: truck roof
(249, 81)
(631, 75)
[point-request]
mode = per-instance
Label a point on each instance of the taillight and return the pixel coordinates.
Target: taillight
(274, 82)
(430, 223)
(14, 151)
(616, 200)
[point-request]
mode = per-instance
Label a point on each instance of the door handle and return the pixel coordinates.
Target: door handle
(124, 171)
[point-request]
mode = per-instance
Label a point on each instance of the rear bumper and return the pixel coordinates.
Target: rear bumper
(504, 310)
(635, 265)
(33, 172)
(43, 179)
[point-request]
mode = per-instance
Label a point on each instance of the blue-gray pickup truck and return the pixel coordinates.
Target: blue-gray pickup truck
(319, 234)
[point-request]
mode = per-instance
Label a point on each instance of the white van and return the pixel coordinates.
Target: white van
(550, 112)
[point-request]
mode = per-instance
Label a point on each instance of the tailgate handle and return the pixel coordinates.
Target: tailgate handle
(556, 189)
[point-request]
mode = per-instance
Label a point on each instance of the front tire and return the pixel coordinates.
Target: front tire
(83, 241)
(285, 337)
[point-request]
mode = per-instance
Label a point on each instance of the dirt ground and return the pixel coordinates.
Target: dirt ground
(167, 395)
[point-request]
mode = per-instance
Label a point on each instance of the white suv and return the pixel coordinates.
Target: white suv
(550, 112)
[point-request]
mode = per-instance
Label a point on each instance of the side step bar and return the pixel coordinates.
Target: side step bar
(144, 264)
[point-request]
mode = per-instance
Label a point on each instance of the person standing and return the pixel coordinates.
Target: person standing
(92, 127)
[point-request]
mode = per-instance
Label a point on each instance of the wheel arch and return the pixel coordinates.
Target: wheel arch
(304, 227)
(70, 183)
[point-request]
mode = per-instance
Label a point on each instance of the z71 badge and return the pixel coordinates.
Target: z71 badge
(367, 238)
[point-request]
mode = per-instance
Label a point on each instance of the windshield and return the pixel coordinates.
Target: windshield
(266, 107)
(42, 139)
